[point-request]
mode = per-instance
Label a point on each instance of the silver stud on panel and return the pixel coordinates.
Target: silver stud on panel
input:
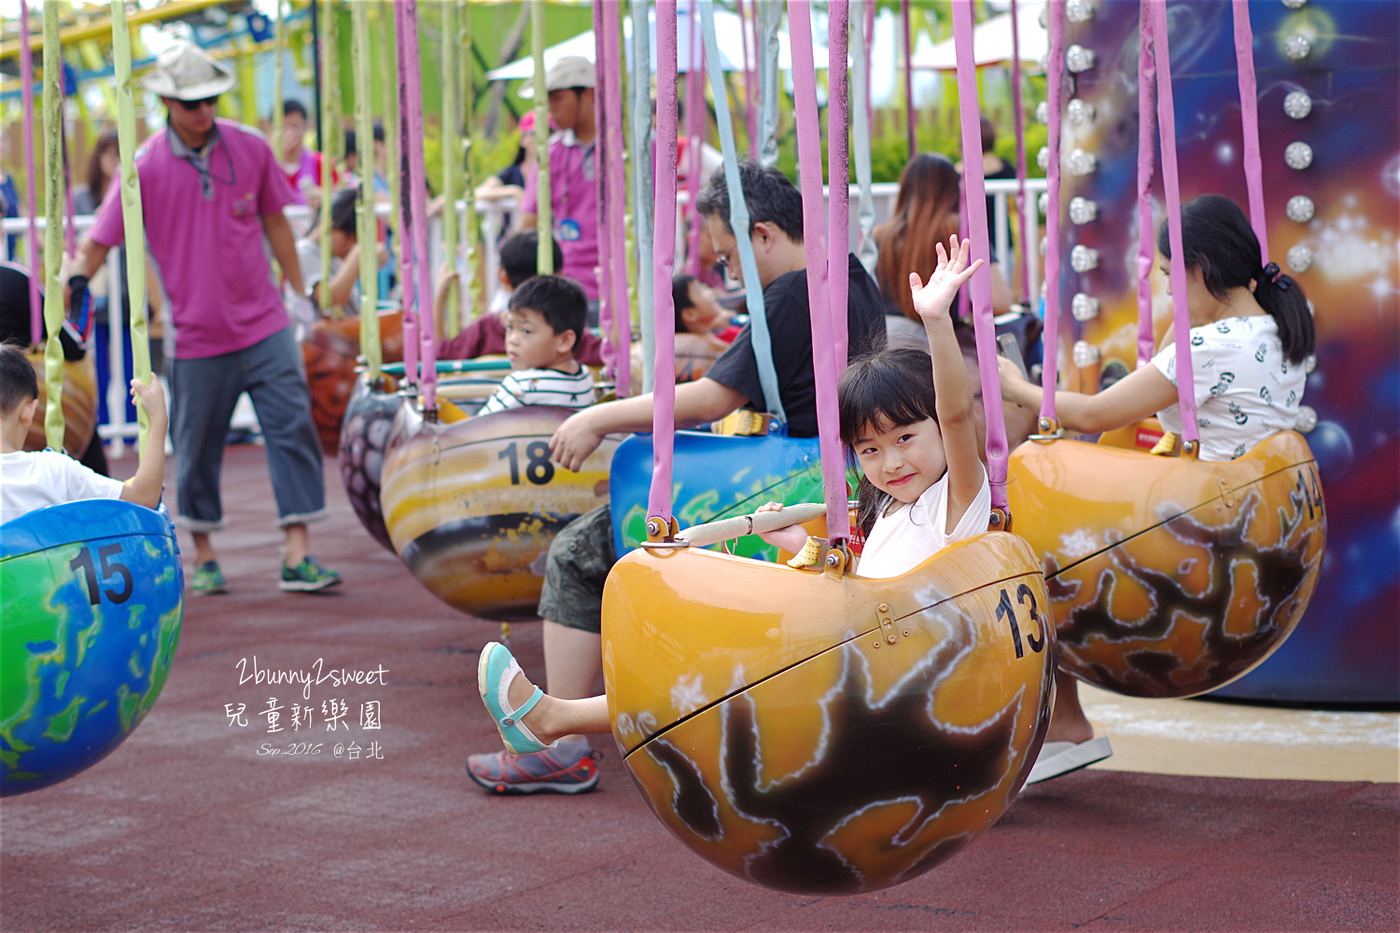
(1298, 155)
(1300, 258)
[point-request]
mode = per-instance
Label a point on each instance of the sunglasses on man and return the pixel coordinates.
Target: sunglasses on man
(193, 105)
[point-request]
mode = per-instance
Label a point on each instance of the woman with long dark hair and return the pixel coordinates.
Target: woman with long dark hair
(926, 213)
(103, 167)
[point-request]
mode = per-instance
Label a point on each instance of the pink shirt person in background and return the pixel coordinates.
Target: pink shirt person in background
(208, 238)
(573, 171)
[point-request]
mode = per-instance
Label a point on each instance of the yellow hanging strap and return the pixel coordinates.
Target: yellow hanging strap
(451, 162)
(366, 225)
(133, 220)
(544, 203)
(53, 229)
(330, 127)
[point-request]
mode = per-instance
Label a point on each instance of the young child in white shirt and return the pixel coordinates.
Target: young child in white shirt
(914, 435)
(546, 319)
(30, 480)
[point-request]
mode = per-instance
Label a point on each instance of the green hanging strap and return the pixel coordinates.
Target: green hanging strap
(133, 220)
(544, 196)
(280, 47)
(53, 229)
(330, 130)
(366, 223)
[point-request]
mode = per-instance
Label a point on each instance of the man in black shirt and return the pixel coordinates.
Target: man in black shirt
(781, 259)
(582, 554)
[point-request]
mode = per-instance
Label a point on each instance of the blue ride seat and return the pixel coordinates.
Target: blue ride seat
(714, 476)
(93, 598)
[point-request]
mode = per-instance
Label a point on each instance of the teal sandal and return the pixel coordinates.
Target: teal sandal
(494, 674)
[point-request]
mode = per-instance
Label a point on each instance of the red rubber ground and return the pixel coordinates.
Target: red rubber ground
(186, 827)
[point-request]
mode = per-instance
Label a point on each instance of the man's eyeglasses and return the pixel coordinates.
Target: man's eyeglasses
(193, 105)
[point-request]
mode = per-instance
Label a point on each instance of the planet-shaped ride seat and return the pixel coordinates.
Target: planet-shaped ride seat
(93, 596)
(1170, 576)
(364, 441)
(330, 351)
(817, 733)
(471, 506)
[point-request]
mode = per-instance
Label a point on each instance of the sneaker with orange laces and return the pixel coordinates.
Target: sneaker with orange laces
(552, 771)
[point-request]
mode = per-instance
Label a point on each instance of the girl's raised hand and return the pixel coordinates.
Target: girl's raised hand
(933, 299)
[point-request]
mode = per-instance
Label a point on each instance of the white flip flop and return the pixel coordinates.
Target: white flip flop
(1058, 758)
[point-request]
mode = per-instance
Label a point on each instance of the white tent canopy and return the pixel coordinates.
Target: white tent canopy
(727, 31)
(991, 43)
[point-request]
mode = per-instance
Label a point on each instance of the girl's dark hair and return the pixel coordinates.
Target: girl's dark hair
(96, 181)
(892, 387)
(1217, 239)
(925, 214)
(519, 156)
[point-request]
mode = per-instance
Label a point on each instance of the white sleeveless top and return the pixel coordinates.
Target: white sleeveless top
(914, 532)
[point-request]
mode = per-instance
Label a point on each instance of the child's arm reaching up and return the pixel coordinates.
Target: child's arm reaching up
(952, 388)
(145, 487)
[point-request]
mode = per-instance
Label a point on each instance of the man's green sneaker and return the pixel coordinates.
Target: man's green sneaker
(307, 576)
(208, 579)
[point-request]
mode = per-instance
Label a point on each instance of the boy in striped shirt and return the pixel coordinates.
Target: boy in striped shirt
(547, 317)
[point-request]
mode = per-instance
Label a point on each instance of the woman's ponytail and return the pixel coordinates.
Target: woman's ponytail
(1283, 298)
(1219, 241)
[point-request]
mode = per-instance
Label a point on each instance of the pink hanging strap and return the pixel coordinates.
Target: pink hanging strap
(614, 168)
(1054, 80)
(26, 77)
(664, 263)
(694, 135)
(406, 12)
(838, 269)
(1020, 151)
(746, 34)
(601, 151)
(975, 187)
(1166, 118)
(869, 64)
(809, 159)
(1249, 125)
(838, 147)
(1147, 147)
(407, 252)
(908, 77)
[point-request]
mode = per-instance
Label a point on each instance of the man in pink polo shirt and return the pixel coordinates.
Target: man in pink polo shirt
(211, 192)
(573, 173)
